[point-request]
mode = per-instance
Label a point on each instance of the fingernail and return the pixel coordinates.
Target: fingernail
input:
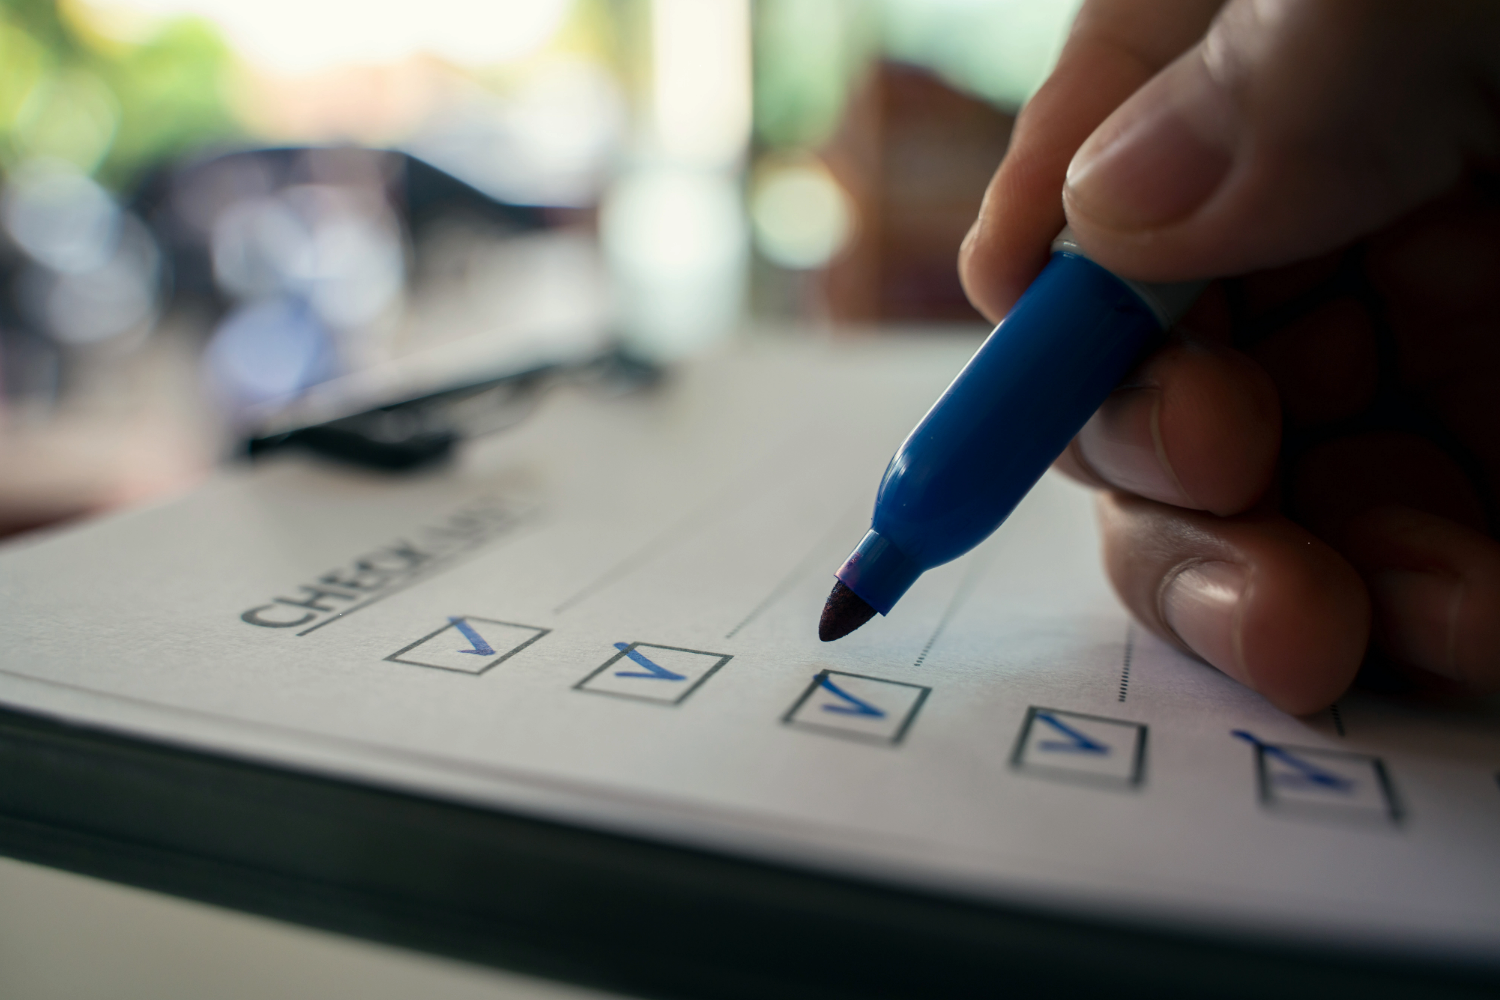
(1122, 444)
(1158, 157)
(1418, 616)
(1201, 606)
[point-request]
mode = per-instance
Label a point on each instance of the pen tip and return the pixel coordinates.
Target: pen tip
(844, 612)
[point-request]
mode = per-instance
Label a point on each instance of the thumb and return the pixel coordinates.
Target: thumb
(1291, 129)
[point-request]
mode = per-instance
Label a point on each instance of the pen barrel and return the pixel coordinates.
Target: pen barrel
(1010, 412)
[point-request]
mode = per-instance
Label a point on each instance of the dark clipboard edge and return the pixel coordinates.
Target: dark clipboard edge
(597, 909)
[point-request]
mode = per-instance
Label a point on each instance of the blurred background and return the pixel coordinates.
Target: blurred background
(212, 210)
(215, 211)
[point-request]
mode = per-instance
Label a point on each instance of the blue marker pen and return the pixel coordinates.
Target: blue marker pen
(1022, 397)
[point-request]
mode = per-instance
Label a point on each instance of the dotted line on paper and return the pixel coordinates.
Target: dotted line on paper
(970, 581)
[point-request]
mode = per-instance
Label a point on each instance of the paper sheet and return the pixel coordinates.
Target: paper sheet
(608, 616)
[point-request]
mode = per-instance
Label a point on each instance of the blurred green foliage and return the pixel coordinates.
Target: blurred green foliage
(809, 54)
(109, 107)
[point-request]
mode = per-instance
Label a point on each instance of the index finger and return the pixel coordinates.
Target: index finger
(1115, 46)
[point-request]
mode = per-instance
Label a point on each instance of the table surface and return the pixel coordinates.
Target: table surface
(67, 936)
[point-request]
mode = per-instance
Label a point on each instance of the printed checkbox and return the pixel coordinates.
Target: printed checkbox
(1080, 747)
(468, 645)
(853, 705)
(1311, 781)
(649, 672)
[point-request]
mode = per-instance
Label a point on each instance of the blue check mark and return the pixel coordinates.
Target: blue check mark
(653, 671)
(1076, 741)
(481, 648)
(851, 705)
(1307, 773)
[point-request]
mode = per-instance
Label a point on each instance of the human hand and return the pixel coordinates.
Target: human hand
(1308, 470)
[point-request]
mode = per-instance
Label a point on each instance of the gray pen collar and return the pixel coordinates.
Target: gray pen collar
(1168, 302)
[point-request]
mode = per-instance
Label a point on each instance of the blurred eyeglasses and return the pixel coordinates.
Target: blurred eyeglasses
(302, 256)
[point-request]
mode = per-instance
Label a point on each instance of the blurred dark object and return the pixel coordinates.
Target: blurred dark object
(81, 281)
(298, 260)
(294, 259)
(183, 203)
(915, 155)
(425, 429)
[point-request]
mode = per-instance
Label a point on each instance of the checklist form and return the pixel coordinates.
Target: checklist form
(606, 617)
